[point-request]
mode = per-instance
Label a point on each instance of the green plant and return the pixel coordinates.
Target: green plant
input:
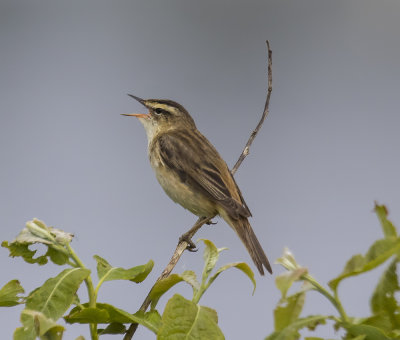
(384, 322)
(45, 305)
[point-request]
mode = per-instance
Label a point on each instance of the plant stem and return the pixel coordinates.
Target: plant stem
(197, 296)
(334, 299)
(90, 289)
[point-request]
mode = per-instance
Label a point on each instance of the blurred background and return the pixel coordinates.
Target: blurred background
(328, 149)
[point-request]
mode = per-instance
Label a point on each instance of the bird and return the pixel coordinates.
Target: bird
(192, 172)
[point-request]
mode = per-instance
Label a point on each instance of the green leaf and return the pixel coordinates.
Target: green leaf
(383, 301)
(285, 280)
(55, 296)
(287, 260)
(359, 337)
(244, 267)
(9, 294)
(36, 231)
(57, 256)
(189, 276)
(22, 250)
(387, 227)
(183, 319)
(381, 321)
(151, 320)
(113, 328)
(136, 274)
(291, 331)
(36, 324)
(162, 286)
(105, 313)
(210, 256)
(288, 310)
(89, 315)
(370, 332)
(378, 253)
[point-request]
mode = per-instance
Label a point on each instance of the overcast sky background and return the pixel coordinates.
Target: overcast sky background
(328, 149)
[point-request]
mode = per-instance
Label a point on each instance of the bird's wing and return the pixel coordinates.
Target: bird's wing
(198, 164)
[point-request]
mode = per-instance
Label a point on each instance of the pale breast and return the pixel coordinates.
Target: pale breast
(181, 192)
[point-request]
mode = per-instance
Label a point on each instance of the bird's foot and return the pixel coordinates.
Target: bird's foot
(191, 245)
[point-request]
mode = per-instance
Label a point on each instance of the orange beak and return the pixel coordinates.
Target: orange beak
(137, 115)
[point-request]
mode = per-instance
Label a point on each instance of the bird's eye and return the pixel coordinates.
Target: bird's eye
(159, 111)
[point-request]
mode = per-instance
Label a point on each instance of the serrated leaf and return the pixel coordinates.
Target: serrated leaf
(136, 274)
(387, 227)
(55, 296)
(183, 319)
(210, 257)
(291, 331)
(288, 310)
(242, 266)
(9, 294)
(383, 300)
(378, 253)
(285, 280)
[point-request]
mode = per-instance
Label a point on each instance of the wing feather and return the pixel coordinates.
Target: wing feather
(198, 164)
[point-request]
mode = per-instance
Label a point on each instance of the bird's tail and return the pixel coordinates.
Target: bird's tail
(245, 232)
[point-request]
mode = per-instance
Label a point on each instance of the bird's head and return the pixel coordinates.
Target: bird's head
(163, 115)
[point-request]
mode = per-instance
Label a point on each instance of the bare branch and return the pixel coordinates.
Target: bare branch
(183, 245)
(253, 135)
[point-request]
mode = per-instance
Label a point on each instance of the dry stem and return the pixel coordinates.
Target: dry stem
(253, 135)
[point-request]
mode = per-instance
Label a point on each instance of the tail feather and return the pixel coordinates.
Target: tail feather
(246, 234)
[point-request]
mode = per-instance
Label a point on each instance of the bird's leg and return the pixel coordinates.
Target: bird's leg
(187, 237)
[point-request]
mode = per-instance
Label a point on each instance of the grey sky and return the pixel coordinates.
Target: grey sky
(328, 149)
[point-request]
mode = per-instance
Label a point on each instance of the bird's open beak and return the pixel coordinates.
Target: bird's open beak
(140, 100)
(137, 115)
